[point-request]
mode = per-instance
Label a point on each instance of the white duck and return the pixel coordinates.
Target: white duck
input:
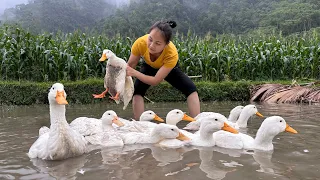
(173, 117)
(235, 113)
(208, 126)
(195, 125)
(92, 126)
(117, 83)
(101, 131)
(160, 132)
(143, 124)
(176, 115)
(109, 136)
(87, 126)
(60, 141)
(245, 113)
(269, 128)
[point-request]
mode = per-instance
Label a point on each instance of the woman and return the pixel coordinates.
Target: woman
(160, 63)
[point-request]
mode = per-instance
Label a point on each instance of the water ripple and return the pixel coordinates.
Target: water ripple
(295, 156)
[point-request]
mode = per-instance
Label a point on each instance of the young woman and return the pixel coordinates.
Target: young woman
(160, 63)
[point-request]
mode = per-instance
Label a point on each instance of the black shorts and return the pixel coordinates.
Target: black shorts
(176, 78)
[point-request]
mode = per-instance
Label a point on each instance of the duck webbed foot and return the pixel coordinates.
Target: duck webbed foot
(116, 97)
(102, 95)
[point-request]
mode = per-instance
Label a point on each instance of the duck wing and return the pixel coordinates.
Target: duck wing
(128, 91)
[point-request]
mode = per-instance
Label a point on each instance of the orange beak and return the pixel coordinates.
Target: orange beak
(182, 137)
(290, 129)
(157, 118)
(187, 118)
(258, 114)
(103, 57)
(117, 122)
(60, 98)
(226, 127)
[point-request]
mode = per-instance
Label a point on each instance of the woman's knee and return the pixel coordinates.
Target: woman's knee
(193, 95)
(190, 89)
(137, 97)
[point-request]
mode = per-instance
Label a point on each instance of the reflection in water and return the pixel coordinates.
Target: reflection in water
(294, 157)
(211, 166)
(65, 169)
(111, 155)
(208, 165)
(114, 161)
(230, 152)
(264, 160)
(163, 155)
(136, 161)
(166, 156)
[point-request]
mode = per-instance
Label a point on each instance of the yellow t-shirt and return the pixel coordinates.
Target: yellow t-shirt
(168, 58)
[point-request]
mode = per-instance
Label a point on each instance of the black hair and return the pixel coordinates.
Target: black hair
(165, 27)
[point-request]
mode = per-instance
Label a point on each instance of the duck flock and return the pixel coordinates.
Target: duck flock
(64, 140)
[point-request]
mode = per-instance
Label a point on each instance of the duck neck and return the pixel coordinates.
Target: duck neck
(107, 127)
(263, 140)
(116, 62)
(232, 117)
(58, 117)
(154, 137)
(206, 136)
(144, 119)
(243, 119)
(172, 122)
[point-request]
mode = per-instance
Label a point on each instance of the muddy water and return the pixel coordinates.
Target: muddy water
(295, 156)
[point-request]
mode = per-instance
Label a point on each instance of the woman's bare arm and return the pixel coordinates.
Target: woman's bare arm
(151, 80)
(133, 60)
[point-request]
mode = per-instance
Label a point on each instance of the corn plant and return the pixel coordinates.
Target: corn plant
(74, 56)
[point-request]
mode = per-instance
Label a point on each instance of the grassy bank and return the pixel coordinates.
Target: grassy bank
(27, 93)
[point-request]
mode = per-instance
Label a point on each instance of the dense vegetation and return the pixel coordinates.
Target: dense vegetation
(221, 40)
(26, 93)
(199, 16)
(218, 39)
(74, 56)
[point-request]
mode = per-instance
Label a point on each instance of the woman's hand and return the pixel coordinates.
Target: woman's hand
(130, 71)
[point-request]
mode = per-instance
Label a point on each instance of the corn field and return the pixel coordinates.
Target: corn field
(74, 56)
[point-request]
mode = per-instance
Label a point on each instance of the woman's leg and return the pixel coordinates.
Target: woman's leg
(140, 90)
(183, 83)
(137, 106)
(193, 104)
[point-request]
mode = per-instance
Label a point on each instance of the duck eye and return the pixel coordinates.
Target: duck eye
(280, 120)
(216, 119)
(109, 114)
(150, 113)
(172, 129)
(177, 112)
